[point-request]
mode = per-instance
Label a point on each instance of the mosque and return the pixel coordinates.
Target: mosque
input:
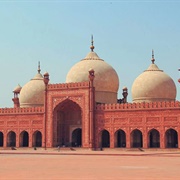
(85, 111)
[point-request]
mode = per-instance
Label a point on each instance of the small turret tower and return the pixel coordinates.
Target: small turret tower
(16, 92)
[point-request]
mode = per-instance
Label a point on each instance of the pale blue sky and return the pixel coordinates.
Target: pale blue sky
(58, 34)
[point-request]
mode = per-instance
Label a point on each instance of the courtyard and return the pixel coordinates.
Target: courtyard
(90, 165)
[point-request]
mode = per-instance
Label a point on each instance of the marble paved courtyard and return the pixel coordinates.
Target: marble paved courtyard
(89, 165)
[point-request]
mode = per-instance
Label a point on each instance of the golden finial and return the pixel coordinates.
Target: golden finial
(92, 42)
(152, 57)
(39, 70)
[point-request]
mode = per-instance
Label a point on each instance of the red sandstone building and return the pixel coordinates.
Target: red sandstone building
(85, 112)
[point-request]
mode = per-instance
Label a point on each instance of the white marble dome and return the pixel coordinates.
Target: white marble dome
(106, 80)
(153, 85)
(32, 93)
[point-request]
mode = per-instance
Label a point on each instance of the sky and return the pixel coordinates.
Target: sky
(58, 34)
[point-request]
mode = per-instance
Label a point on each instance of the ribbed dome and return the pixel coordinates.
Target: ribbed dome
(106, 80)
(153, 85)
(32, 93)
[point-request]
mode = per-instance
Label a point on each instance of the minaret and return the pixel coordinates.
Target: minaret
(46, 81)
(91, 109)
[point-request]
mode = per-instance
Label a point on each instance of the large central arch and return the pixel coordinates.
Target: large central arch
(66, 118)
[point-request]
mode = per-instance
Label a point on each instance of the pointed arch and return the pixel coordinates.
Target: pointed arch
(171, 138)
(24, 139)
(63, 104)
(105, 139)
(11, 139)
(67, 116)
(37, 139)
(77, 137)
(120, 138)
(1, 139)
(136, 139)
(154, 138)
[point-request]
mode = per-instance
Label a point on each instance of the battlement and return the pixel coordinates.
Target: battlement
(28, 110)
(69, 85)
(136, 106)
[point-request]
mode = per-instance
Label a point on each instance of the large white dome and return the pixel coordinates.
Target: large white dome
(32, 93)
(153, 85)
(106, 80)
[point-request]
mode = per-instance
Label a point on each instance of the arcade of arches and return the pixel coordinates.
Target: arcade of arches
(75, 138)
(12, 139)
(136, 139)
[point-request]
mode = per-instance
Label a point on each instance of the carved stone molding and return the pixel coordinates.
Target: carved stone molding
(76, 99)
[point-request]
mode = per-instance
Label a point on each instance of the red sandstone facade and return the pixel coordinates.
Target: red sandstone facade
(70, 117)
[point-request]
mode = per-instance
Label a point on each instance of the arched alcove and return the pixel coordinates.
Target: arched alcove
(77, 137)
(136, 139)
(105, 139)
(37, 139)
(24, 139)
(11, 139)
(66, 117)
(171, 138)
(1, 139)
(154, 139)
(120, 139)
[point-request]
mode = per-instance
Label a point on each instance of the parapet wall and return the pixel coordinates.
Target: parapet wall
(28, 110)
(137, 106)
(69, 85)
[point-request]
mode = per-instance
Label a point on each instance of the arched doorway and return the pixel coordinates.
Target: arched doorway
(77, 137)
(1, 139)
(11, 139)
(154, 139)
(37, 139)
(136, 139)
(24, 139)
(66, 116)
(171, 138)
(120, 139)
(105, 139)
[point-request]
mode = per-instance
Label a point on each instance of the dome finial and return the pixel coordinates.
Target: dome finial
(92, 42)
(39, 70)
(152, 57)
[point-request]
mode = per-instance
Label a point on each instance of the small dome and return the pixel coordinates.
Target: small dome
(106, 80)
(32, 93)
(153, 85)
(46, 74)
(17, 89)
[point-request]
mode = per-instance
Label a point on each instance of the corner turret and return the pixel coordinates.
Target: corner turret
(16, 92)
